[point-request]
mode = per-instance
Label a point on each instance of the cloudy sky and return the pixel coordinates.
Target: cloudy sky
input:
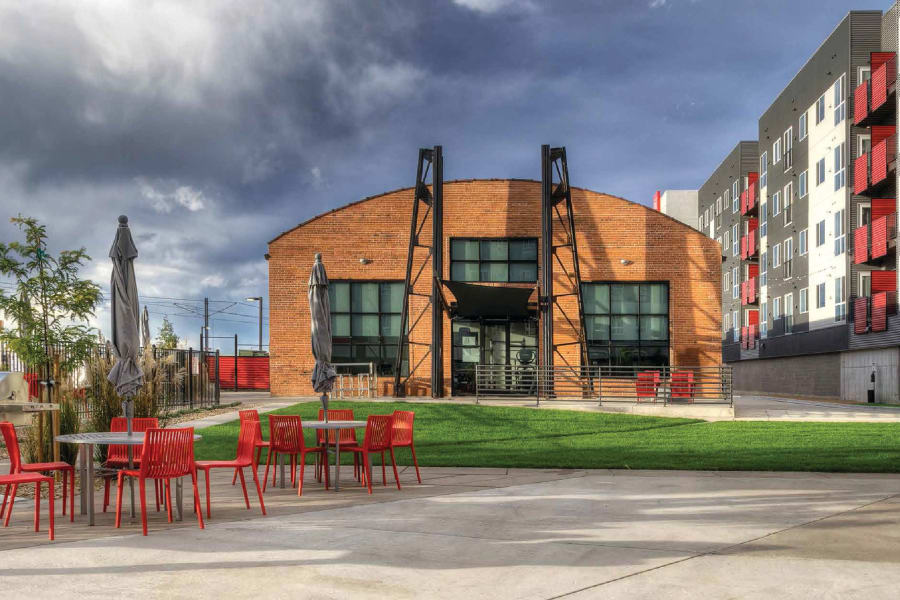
(216, 125)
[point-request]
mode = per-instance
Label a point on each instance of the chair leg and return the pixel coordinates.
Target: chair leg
(234, 476)
(383, 471)
(197, 498)
(293, 470)
(52, 533)
(266, 476)
(394, 464)
(12, 500)
(302, 469)
(367, 457)
(415, 462)
(142, 486)
(71, 496)
(119, 486)
(243, 487)
(106, 492)
(206, 472)
(156, 484)
(37, 506)
(167, 485)
(5, 497)
(65, 477)
(262, 504)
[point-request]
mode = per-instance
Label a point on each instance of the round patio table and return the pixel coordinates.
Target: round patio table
(336, 426)
(86, 464)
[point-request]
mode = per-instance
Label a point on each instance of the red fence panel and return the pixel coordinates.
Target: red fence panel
(252, 372)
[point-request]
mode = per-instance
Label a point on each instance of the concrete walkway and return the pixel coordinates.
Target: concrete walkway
(769, 408)
(496, 533)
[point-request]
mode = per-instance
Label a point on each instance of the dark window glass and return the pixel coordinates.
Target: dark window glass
(365, 323)
(495, 260)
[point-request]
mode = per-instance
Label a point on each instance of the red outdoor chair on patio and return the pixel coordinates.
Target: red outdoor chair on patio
(245, 458)
(251, 414)
(683, 385)
(14, 480)
(377, 441)
(17, 466)
(402, 435)
(348, 437)
(117, 455)
(646, 385)
(286, 437)
(167, 453)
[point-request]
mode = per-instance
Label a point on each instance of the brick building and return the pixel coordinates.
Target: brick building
(650, 286)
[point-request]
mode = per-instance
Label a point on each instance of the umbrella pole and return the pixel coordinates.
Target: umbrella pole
(126, 410)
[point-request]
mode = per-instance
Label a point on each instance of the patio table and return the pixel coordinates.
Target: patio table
(337, 426)
(86, 463)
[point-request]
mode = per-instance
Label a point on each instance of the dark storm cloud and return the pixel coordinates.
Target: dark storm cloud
(217, 125)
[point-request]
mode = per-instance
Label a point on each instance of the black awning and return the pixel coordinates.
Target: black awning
(475, 301)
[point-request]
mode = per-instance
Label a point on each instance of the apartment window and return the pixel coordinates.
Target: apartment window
(735, 284)
(840, 92)
(627, 323)
(512, 260)
(839, 240)
(788, 258)
(776, 204)
(365, 322)
(820, 233)
(803, 242)
(726, 281)
(788, 312)
(840, 160)
(801, 184)
(719, 206)
(776, 308)
(802, 127)
(804, 301)
(762, 269)
(736, 190)
(820, 171)
(727, 321)
(820, 109)
(735, 241)
(763, 221)
(736, 319)
(776, 151)
(763, 169)
(735, 201)
(788, 148)
(820, 295)
(763, 320)
(840, 307)
(776, 255)
(788, 194)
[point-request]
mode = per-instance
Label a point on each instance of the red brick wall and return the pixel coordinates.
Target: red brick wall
(609, 229)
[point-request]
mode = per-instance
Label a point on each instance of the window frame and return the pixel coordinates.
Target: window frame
(803, 242)
(820, 109)
(508, 261)
(803, 184)
(804, 301)
(803, 126)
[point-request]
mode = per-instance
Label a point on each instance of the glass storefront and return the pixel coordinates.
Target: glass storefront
(492, 342)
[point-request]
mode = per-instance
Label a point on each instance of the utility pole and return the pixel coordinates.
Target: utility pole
(260, 300)
(206, 323)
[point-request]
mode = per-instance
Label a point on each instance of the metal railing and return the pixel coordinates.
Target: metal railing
(602, 384)
(366, 380)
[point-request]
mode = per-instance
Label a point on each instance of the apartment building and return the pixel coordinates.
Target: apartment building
(815, 308)
(678, 204)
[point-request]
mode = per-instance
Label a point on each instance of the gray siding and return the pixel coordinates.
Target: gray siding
(815, 375)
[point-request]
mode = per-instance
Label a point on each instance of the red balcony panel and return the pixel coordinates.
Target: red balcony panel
(861, 245)
(884, 281)
(879, 311)
(882, 207)
(752, 271)
(861, 102)
(882, 158)
(752, 318)
(860, 314)
(745, 338)
(744, 247)
(752, 195)
(884, 75)
(883, 229)
(751, 291)
(882, 132)
(861, 174)
(754, 333)
(744, 202)
(752, 248)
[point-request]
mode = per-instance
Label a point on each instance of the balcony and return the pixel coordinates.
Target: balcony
(884, 235)
(884, 79)
(750, 196)
(870, 314)
(870, 171)
(749, 246)
(871, 103)
(861, 103)
(861, 174)
(749, 335)
(748, 291)
(883, 161)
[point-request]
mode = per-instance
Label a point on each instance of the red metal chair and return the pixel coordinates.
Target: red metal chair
(646, 385)
(402, 435)
(683, 385)
(377, 441)
(117, 456)
(167, 453)
(286, 437)
(17, 466)
(245, 458)
(348, 437)
(14, 480)
(251, 414)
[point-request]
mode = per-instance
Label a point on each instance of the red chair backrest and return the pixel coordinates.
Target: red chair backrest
(247, 441)
(647, 382)
(12, 446)
(402, 432)
(168, 453)
(285, 433)
(337, 414)
(251, 414)
(378, 432)
(138, 424)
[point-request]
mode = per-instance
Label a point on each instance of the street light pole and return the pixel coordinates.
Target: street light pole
(260, 300)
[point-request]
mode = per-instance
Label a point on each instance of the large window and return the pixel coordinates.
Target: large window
(763, 169)
(508, 260)
(840, 92)
(627, 323)
(365, 323)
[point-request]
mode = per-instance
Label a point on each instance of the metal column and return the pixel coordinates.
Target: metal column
(437, 262)
(545, 299)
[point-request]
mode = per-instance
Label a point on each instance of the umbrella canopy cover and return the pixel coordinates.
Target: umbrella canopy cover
(126, 374)
(323, 374)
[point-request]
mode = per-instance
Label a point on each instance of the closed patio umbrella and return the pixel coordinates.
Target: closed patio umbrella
(126, 374)
(323, 374)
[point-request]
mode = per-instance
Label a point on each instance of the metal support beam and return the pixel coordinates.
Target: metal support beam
(437, 262)
(545, 295)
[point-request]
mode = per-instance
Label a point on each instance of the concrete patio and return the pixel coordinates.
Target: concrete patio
(494, 533)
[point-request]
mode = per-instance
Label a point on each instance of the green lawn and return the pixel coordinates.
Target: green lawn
(490, 436)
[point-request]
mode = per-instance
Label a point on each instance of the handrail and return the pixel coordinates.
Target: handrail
(365, 382)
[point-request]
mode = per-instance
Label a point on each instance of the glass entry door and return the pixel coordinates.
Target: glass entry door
(507, 343)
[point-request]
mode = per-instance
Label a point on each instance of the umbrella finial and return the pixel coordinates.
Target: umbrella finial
(123, 220)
